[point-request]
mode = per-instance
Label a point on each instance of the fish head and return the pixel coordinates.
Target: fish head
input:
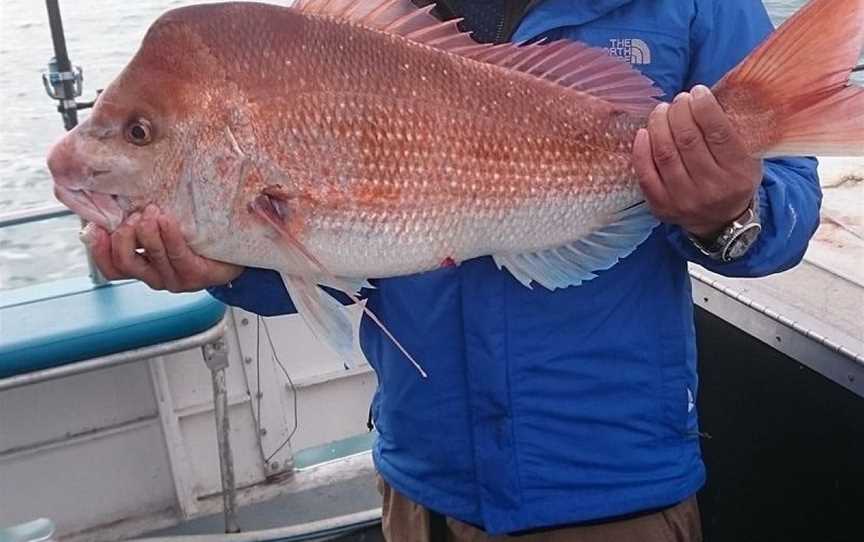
(106, 167)
(137, 145)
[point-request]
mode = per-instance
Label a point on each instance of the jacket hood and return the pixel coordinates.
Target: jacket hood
(546, 15)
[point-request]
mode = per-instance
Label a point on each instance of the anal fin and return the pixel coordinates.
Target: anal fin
(577, 262)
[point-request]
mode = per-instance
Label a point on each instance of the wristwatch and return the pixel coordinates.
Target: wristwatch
(735, 239)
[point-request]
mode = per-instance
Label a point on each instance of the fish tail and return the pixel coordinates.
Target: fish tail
(792, 95)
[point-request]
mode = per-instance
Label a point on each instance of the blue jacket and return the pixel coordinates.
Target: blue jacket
(549, 408)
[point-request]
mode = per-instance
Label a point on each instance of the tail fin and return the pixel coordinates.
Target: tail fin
(792, 95)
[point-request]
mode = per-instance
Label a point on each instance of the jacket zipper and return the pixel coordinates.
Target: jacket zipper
(514, 11)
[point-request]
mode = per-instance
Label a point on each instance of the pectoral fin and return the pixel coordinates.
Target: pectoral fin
(317, 308)
(346, 284)
(324, 315)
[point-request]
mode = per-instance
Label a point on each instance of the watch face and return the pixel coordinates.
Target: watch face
(739, 245)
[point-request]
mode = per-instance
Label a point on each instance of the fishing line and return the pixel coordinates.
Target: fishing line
(293, 393)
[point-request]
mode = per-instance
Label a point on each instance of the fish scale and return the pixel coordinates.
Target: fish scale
(382, 172)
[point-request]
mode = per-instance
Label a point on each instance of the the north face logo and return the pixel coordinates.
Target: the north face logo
(632, 50)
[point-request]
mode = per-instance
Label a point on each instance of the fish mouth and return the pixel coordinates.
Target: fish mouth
(105, 210)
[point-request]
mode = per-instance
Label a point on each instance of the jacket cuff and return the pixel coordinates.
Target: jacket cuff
(680, 240)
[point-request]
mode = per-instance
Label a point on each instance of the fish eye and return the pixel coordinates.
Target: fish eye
(139, 132)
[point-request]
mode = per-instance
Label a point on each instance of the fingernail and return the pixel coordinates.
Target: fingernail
(680, 96)
(133, 219)
(700, 91)
(151, 211)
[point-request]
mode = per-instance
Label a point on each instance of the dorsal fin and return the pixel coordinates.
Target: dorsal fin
(566, 63)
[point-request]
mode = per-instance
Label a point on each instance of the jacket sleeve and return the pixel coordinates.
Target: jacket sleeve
(724, 32)
(262, 292)
(256, 290)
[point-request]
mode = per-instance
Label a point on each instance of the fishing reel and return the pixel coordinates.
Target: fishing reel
(65, 86)
(54, 82)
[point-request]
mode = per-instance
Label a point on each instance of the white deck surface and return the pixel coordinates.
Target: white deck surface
(839, 243)
(824, 295)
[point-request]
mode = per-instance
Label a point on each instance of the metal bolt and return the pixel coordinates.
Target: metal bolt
(259, 395)
(244, 321)
(248, 359)
(263, 432)
(274, 465)
(851, 378)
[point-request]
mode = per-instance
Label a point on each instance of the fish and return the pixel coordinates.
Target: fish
(338, 141)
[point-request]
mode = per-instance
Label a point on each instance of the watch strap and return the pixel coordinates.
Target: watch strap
(735, 239)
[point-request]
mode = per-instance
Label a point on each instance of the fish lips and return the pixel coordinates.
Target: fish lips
(104, 210)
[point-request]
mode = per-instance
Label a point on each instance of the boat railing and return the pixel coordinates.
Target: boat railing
(19, 217)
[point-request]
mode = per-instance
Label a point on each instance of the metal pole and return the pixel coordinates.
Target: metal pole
(216, 358)
(66, 94)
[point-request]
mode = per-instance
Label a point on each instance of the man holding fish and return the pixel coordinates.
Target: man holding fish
(560, 411)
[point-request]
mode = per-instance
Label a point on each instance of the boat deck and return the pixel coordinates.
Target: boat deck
(351, 496)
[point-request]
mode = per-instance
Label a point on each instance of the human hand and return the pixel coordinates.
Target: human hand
(693, 166)
(167, 262)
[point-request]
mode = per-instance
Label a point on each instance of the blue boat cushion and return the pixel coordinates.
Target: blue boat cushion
(67, 321)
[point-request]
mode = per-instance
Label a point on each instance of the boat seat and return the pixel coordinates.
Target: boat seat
(64, 322)
(69, 327)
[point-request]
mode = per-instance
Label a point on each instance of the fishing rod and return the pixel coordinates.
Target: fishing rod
(64, 83)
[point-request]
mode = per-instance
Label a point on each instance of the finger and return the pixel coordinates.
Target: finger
(666, 157)
(649, 177)
(692, 147)
(147, 233)
(193, 270)
(99, 243)
(125, 257)
(722, 140)
(177, 249)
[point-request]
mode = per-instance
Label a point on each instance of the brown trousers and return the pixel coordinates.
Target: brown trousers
(405, 521)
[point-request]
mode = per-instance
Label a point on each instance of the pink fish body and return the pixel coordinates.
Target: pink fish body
(343, 140)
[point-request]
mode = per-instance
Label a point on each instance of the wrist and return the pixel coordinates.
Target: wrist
(232, 275)
(732, 240)
(709, 232)
(224, 279)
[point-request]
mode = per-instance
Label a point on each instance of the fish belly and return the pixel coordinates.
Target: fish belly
(419, 238)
